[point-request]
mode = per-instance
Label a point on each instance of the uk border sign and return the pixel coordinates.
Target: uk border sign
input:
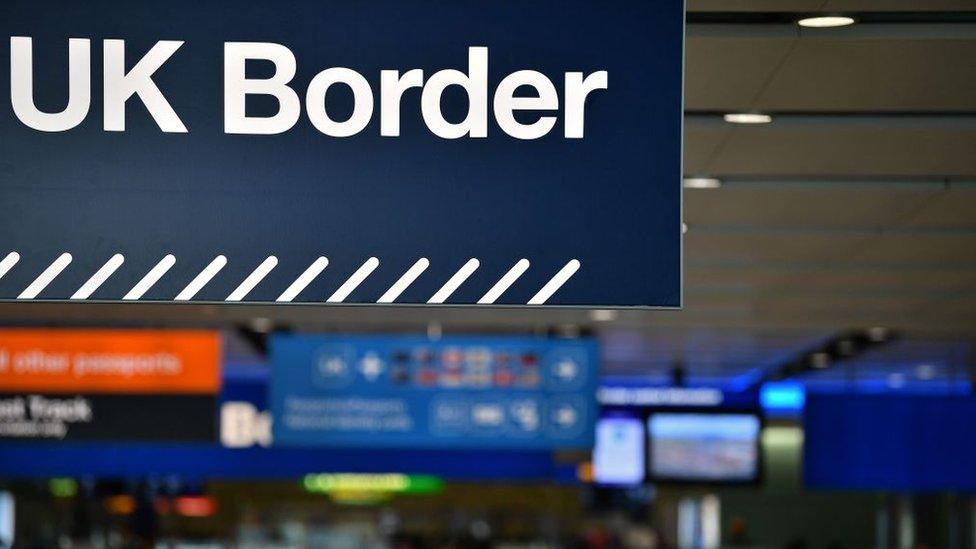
(385, 151)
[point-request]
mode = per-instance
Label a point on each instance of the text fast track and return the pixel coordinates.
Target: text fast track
(119, 86)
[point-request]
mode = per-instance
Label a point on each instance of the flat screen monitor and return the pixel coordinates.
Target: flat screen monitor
(618, 454)
(704, 447)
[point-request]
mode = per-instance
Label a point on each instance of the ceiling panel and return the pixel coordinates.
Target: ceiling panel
(954, 208)
(894, 281)
(702, 352)
(837, 146)
(727, 72)
(847, 304)
(927, 248)
(753, 5)
(961, 307)
(842, 72)
(803, 205)
(898, 5)
(736, 279)
(699, 151)
(766, 247)
(828, 5)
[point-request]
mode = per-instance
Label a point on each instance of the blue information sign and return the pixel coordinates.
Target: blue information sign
(388, 151)
(457, 392)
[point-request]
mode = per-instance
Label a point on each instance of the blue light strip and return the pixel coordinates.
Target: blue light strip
(782, 397)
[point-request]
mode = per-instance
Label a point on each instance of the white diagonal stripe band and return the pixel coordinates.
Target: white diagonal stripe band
(354, 281)
(556, 282)
(153, 276)
(45, 278)
(406, 280)
(299, 285)
(253, 279)
(100, 276)
(505, 282)
(304, 279)
(8, 262)
(202, 279)
(454, 282)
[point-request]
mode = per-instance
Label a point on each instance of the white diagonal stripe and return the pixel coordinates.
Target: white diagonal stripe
(8, 262)
(354, 281)
(100, 276)
(202, 279)
(406, 280)
(153, 276)
(253, 279)
(505, 282)
(45, 278)
(304, 279)
(555, 282)
(452, 284)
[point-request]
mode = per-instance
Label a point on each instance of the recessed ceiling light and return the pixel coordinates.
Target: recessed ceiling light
(819, 360)
(747, 118)
(603, 315)
(702, 183)
(261, 324)
(877, 334)
(826, 21)
(684, 228)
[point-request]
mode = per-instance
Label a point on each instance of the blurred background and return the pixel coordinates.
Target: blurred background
(815, 391)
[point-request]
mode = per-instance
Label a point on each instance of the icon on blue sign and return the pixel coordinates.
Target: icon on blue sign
(449, 416)
(566, 369)
(567, 416)
(371, 366)
(525, 417)
(333, 366)
(487, 417)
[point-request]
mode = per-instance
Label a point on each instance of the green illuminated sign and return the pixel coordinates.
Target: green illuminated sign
(391, 483)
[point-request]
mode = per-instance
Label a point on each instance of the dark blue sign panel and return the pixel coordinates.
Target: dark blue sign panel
(457, 392)
(388, 151)
(910, 442)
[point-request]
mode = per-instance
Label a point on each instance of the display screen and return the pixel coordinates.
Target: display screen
(618, 455)
(700, 447)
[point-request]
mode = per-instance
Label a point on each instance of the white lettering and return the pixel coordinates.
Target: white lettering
(506, 103)
(237, 87)
(577, 88)
(475, 83)
(22, 86)
(392, 86)
(362, 102)
(120, 86)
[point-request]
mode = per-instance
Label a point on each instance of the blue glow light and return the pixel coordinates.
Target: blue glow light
(782, 396)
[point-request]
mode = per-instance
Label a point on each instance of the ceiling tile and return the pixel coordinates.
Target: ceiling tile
(753, 5)
(846, 146)
(839, 74)
(728, 73)
(806, 205)
(954, 208)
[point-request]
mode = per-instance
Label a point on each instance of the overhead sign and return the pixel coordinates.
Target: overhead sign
(110, 361)
(457, 392)
(334, 152)
(108, 384)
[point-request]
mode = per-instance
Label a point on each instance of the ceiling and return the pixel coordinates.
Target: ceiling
(855, 207)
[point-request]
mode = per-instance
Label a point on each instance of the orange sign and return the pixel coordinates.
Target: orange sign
(109, 361)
